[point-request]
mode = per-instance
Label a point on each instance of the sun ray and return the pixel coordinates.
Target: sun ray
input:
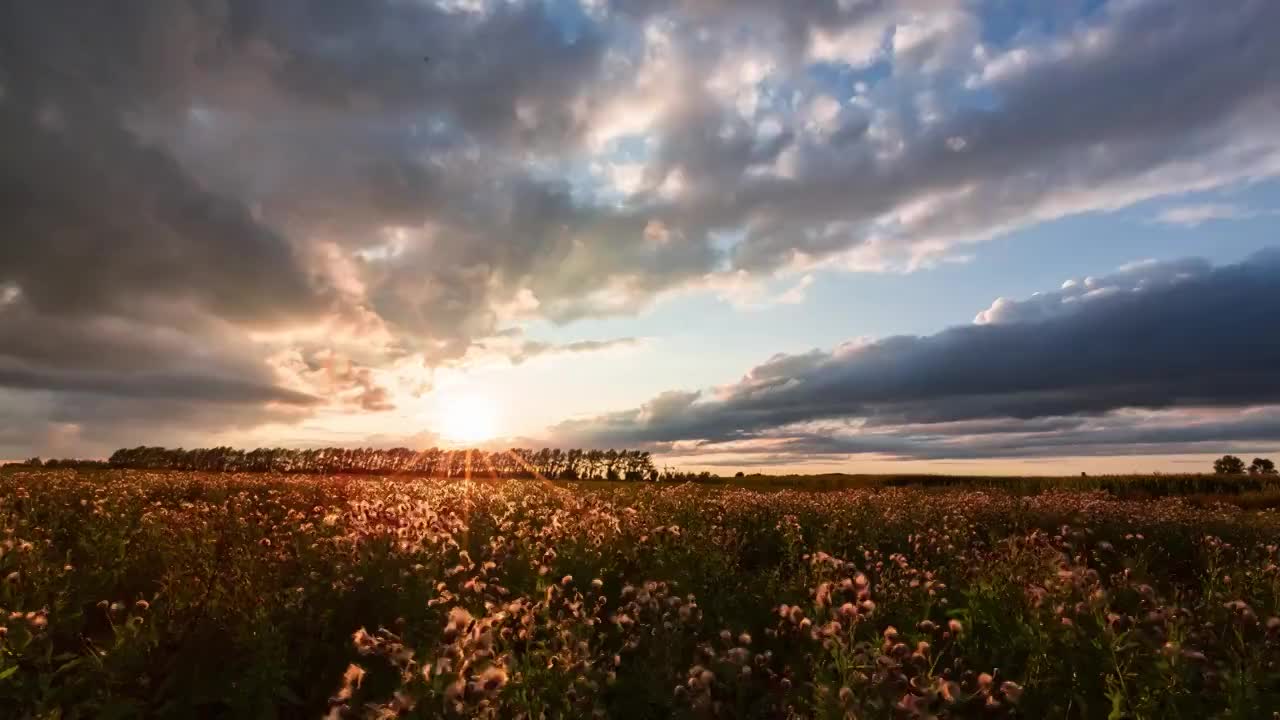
(488, 460)
(532, 470)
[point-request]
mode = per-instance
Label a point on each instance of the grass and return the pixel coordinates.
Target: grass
(166, 594)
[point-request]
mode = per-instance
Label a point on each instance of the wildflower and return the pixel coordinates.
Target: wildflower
(453, 692)
(955, 627)
(492, 679)
(364, 642)
(950, 691)
(823, 595)
(1012, 691)
(459, 618)
(846, 695)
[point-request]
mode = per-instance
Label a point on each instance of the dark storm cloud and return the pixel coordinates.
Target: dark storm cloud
(1156, 337)
(152, 385)
(69, 423)
(96, 221)
(127, 278)
(1105, 435)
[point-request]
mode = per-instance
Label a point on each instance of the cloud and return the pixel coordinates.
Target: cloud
(1113, 113)
(511, 345)
(152, 385)
(196, 190)
(532, 349)
(1191, 216)
(1077, 293)
(1057, 372)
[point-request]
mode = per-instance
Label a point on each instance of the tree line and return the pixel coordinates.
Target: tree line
(1232, 465)
(550, 463)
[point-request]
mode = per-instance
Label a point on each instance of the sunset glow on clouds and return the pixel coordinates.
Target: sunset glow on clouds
(632, 222)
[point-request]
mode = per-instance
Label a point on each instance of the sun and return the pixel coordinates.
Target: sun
(470, 418)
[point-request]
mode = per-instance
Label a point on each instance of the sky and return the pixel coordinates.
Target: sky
(759, 235)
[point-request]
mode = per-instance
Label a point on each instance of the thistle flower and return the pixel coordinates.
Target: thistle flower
(1012, 691)
(492, 679)
(984, 682)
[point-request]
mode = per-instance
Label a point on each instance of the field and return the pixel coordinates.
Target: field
(174, 594)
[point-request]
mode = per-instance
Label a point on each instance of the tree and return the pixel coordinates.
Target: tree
(1262, 466)
(1228, 465)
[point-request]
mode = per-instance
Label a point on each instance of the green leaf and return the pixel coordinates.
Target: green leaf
(7, 672)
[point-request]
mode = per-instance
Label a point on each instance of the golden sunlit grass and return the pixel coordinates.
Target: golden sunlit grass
(175, 594)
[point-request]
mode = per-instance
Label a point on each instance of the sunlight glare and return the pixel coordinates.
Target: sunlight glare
(470, 418)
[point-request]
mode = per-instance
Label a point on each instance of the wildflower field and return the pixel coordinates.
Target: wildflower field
(178, 594)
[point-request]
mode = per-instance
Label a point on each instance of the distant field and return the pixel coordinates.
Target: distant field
(175, 594)
(1250, 491)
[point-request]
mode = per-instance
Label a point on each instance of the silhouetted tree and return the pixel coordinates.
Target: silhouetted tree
(1228, 465)
(1262, 466)
(630, 465)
